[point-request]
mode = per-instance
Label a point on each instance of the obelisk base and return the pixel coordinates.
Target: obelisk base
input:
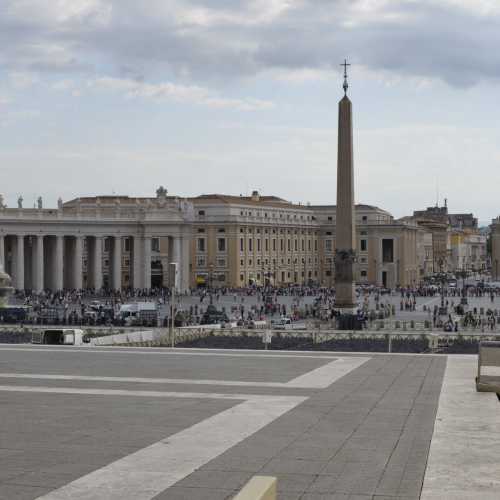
(348, 321)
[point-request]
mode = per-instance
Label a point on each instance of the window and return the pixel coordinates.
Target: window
(242, 278)
(200, 230)
(274, 245)
(107, 244)
(330, 217)
(155, 244)
(221, 230)
(309, 245)
(281, 245)
(328, 245)
(267, 245)
(258, 245)
(127, 244)
(242, 262)
(201, 212)
(201, 244)
(303, 245)
(295, 245)
(242, 244)
(250, 245)
(363, 245)
(315, 245)
(364, 218)
(363, 274)
(200, 261)
(289, 245)
(221, 262)
(387, 251)
(221, 244)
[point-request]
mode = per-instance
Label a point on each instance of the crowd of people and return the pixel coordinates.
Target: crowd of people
(253, 303)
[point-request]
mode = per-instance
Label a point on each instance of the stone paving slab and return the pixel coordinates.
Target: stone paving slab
(367, 435)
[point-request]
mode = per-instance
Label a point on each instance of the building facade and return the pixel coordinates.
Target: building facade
(120, 242)
(106, 241)
(244, 240)
(386, 248)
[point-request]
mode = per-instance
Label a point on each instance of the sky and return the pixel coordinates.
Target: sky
(202, 96)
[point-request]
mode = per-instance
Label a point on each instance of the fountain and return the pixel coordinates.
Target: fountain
(5, 288)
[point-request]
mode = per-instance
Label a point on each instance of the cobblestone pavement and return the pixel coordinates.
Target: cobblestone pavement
(93, 423)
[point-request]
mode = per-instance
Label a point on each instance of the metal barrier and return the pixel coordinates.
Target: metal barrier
(258, 488)
(488, 359)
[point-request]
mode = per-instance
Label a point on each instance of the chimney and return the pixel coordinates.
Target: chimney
(255, 196)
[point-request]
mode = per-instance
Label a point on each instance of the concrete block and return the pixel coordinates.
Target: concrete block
(259, 488)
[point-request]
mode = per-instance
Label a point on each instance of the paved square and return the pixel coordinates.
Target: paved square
(124, 423)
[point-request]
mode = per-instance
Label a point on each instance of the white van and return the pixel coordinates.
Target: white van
(281, 324)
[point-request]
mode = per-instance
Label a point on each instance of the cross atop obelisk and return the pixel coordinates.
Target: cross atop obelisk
(346, 85)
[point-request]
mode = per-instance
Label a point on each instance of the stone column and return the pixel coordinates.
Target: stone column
(38, 273)
(147, 261)
(97, 262)
(78, 263)
(117, 264)
(176, 257)
(20, 263)
(2, 251)
(345, 252)
(137, 277)
(59, 263)
(184, 264)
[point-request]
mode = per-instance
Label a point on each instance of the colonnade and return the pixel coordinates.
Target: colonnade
(57, 262)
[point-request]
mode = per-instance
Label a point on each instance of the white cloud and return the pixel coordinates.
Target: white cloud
(52, 12)
(22, 80)
(181, 93)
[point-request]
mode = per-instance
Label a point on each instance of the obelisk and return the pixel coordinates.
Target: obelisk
(345, 249)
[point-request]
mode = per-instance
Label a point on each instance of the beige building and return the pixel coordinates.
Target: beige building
(240, 240)
(386, 248)
(244, 240)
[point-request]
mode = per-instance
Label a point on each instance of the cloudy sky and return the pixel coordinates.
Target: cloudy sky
(120, 96)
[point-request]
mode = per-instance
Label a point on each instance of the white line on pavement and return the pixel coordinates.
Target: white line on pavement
(165, 352)
(316, 379)
(327, 374)
(465, 446)
(125, 392)
(147, 472)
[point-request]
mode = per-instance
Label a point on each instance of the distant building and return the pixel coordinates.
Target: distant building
(90, 242)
